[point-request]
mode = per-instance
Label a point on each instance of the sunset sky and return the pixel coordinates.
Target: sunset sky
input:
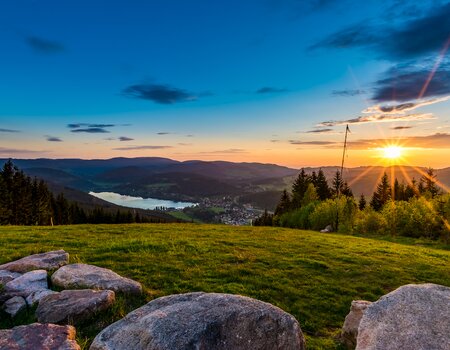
(272, 81)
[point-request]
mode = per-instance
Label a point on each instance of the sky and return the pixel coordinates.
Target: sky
(272, 81)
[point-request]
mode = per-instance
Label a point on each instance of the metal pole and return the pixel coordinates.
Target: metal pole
(342, 178)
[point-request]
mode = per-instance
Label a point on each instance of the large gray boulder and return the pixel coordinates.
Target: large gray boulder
(203, 321)
(44, 261)
(14, 305)
(73, 306)
(350, 328)
(77, 276)
(39, 337)
(27, 283)
(7, 276)
(411, 317)
(37, 295)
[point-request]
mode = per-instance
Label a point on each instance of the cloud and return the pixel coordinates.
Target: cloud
(184, 144)
(274, 141)
(314, 143)
(125, 138)
(91, 130)
(4, 151)
(227, 151)
(347, 93)
(132, 148)
(415, 37)
(9, 130)
(89, 125)
(43, 45)
(270, 90)
(163, 133)
(158, 93)
(405, 83)
(378, 118)
(53, 139)
(319, 131)
(401, 127)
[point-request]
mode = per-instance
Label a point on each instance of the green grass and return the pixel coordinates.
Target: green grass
(310, 275)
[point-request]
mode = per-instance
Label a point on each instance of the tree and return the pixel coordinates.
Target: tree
(362, 202)
(382, 194)
(323, 190)
(299, 188)
(429, 182)
(310, 195)
(336, 184)
(284, 205)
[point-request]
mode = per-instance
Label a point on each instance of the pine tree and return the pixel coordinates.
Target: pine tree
(284, 205)
(382, 194)
(429, 183)
(362, 202)
(310, 195)
(299, 188)
(323, 190)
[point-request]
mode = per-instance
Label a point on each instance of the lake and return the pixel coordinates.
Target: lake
(139, 202)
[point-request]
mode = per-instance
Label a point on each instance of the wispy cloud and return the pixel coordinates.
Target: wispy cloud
(9, 130)
(43, 45)
(378, 118)
(402, 127)
(91, 130)
(125, 138)
(347, 93)
(320, 131)
(313, 143)
(226, 151)
(53, 138)
(159, 93)
(270, 90)
(402, 108)
(163, 133)
(133, 148)
(7, 152)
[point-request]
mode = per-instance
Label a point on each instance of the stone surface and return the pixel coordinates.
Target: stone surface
(39, 337)
(14, 305)
(411, 317)
(44, 261)
(27, 283)
(327, 229)
(36, 296)
(76, 276)
(203, 321)
(73, 306)
(351, 324)
(6, 276)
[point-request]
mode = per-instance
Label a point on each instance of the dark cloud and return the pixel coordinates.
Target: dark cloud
(227, 151)
(132, 148)
(274, 141)
(43, 45)
(9, 130)
(162, 94)
(401, 127)
(270, 90)
(319, 131)
(91, 130)
(53, 139)
(315, 143)
(415, 37)
(125, 138)
(89, 125)
(378, 118)
(405, 84)
(347, 93)
(7, 152)
(163, 133)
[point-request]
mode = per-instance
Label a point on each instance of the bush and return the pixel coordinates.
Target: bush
(299, 218)
(326, 213)
(370, 221)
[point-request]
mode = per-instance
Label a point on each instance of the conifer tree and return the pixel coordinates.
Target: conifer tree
(299, 188)
(284, 205)
(382, 194)
(323, 190)
(429, 183)
(362, 202)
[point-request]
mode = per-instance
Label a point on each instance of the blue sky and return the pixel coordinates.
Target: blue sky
(234, 80)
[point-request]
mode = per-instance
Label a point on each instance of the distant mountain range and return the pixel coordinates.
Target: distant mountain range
(255, 183)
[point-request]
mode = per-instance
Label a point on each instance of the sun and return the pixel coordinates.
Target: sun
(392, 152)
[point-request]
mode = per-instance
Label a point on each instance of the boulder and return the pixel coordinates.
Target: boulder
(410, 317)
(327, 229)
(73, 306)
(203, 321)
(14, 305)
(44, 261)
(6, 276)
(27, 283)
(38, 336)
(351, 323)
(78, 276)
(36, 296)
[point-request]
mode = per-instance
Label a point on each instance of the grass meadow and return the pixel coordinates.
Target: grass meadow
(311, 275)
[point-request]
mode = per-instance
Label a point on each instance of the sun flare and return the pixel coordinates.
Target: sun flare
(392, 152)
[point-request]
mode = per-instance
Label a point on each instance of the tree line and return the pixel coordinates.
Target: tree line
(27, 201)
(416, 209)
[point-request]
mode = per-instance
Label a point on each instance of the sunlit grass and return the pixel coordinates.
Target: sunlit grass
(310, 275)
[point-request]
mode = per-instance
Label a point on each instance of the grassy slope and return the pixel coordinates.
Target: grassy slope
(311, 275)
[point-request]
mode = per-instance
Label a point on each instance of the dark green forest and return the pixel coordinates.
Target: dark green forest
(28, 201)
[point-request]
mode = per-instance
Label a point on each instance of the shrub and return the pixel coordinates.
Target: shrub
(370, 221)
